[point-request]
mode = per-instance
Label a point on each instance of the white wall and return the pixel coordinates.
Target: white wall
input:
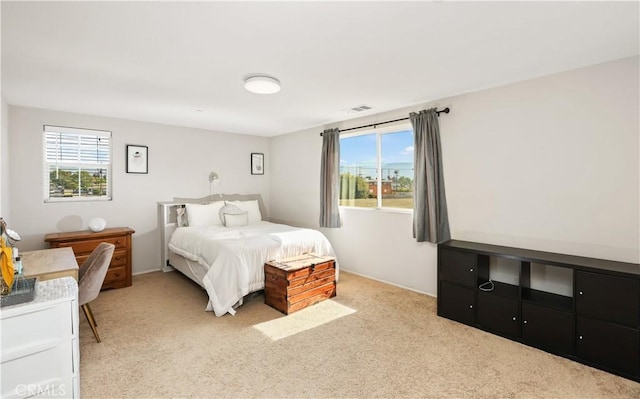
(5, 207)
(550, 164)
(180, 160)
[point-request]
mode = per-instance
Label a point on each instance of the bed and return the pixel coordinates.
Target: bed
(223, 243)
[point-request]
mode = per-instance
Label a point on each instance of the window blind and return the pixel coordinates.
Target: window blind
(76, 146)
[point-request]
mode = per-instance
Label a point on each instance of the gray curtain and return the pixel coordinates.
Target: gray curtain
(330, 179)
(430, 217)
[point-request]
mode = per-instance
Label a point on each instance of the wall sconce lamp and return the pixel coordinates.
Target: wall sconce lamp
(214, 179)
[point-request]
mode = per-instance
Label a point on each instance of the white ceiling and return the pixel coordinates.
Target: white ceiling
(182, 63)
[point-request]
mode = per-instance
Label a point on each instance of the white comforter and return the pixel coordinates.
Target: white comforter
(236, 256)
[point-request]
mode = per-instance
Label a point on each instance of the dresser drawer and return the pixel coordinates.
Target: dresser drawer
(119, 258)
(35, 330)
(86, 246)
(115, 278)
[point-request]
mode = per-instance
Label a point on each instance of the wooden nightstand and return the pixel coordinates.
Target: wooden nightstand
(83, 242)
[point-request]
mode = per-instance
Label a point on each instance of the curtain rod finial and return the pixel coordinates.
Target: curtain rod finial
(446, 111)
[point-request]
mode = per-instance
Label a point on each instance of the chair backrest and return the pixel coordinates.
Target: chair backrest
(93, 271)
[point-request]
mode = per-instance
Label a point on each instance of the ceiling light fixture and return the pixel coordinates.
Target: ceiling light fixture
(261, 84)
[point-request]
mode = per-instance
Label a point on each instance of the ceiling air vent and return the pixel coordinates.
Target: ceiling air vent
(360, 108)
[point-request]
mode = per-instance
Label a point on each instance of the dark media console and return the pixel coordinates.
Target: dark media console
(598, 325)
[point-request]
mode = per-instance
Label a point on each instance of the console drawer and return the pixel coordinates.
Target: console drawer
(457, 303)
(611, 298)
(458, 267)
(609, 345)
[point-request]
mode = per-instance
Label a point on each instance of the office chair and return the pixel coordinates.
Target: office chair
(90, 278)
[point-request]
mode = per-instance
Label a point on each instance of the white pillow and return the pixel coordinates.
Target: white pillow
(231, 220)
(204, 215)
(251, 206)
(229, 209)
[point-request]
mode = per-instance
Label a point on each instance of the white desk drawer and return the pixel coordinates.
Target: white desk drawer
(36, 330)
(35, 374)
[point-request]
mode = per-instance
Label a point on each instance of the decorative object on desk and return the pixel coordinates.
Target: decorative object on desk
(23, 290)
(7, 270)
(10, 234)
(257, 163)
(97, 224)
(214, 180)
(137, 159)
(17, 264)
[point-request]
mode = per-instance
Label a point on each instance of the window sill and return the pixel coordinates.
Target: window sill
(75, 199)
(383, 209)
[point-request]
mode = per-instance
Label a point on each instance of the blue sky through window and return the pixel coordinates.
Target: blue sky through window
(358, 154)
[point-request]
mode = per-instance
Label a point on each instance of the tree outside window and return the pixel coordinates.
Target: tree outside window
(77, 164)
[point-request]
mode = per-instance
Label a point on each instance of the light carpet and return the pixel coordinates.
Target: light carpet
(158, 342)
(305, 319)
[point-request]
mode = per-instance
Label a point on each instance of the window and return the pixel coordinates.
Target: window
(77, 164)
(376, 168)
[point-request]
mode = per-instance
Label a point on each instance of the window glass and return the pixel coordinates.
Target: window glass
(376, 169)
(397, 169)
(77, 164)
(358, 171)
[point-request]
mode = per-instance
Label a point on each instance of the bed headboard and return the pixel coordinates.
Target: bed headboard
(168, 222)
(225, 197)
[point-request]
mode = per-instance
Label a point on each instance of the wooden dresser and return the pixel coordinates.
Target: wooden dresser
(83, 242)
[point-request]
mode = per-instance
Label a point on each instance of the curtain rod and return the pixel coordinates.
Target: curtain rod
(446, 111)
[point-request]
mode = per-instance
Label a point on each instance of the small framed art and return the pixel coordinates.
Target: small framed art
(257, 163)
(137, 159)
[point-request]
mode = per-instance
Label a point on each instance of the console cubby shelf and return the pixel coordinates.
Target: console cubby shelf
(593, 319)
(547, 258)
(505, 290)
(547, 299)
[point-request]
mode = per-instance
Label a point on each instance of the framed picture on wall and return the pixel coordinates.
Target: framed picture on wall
(137, 159)
(257, 163)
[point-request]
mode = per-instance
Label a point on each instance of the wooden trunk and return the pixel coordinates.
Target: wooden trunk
(297, 282)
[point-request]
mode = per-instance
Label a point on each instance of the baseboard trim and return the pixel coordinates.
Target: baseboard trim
(388, 282)
(146, 271)
(170, 269)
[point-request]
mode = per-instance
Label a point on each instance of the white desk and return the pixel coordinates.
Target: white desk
(40, 347)
(47, 264)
